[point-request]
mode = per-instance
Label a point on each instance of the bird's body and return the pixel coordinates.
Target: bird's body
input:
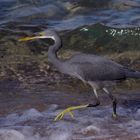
(89, 68)
(92, 69)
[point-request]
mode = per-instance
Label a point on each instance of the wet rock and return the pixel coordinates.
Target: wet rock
(28, 68)
(94, 4)
(125, 4)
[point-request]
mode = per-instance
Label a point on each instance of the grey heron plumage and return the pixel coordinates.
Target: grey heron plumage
(91, 69)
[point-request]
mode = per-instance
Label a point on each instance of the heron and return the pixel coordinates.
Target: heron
(91, 69)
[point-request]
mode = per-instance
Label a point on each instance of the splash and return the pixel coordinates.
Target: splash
(88, 124)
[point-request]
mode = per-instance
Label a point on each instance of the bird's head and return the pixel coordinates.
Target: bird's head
(49, 33)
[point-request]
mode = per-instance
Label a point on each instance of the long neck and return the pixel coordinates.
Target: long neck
(52, 52)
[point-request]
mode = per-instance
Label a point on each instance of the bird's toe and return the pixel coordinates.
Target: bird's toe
(61, 114)
(114, 116)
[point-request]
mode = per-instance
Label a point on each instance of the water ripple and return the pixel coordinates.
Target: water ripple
(62, 15)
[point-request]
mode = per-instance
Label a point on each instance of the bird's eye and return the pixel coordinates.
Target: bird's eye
(42, 33)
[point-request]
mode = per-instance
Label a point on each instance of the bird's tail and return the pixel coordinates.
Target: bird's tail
(132, 74)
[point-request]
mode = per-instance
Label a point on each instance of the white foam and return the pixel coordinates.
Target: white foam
(52, 107)
(30, 114)
(11, 119)
(138, 112)
(86, 124)
(60, 136)
(12, 116)
(9, 134)
(133, 124)
(90, 129)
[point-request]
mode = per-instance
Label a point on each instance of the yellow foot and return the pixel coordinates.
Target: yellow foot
(68, 110)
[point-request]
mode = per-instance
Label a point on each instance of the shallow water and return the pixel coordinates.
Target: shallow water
(31, 117)
(61, 14)
(87, 124)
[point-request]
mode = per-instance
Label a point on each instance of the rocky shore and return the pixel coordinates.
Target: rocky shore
(26, 62)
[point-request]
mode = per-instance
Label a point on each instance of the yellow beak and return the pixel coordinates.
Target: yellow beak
(28, 38)
(40, 35)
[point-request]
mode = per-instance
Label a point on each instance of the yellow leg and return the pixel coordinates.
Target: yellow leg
(68, 110)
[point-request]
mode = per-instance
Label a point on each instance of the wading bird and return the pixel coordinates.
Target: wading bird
(91, 69)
